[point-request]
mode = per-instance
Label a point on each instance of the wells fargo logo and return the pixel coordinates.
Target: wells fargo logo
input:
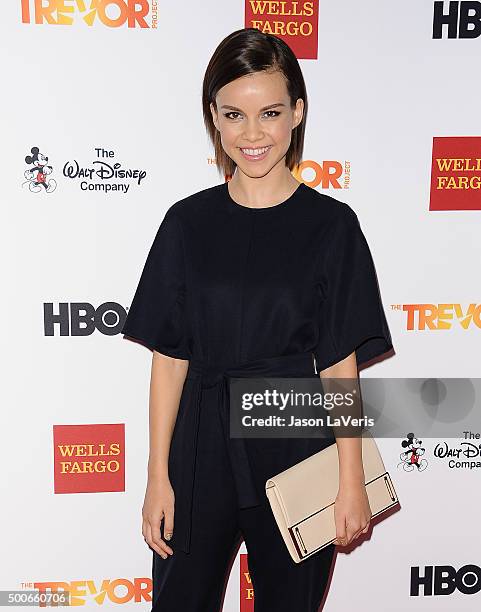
(89, 458)
(82, 592)
(294, 22)
(110, 13)
(456, 173)
(246, 588)
(440, 316)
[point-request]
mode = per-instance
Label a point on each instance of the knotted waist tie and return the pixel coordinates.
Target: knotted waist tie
(206, 376)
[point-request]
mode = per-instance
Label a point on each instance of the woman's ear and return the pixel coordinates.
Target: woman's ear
(214, 115)
(298, 112)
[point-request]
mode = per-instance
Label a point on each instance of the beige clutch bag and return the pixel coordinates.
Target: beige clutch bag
(302, 497)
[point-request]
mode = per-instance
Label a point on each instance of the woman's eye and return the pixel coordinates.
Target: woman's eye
(276, 113)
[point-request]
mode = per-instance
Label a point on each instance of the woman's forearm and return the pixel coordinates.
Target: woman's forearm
(349, 448)
(351, 470)
(166, 383)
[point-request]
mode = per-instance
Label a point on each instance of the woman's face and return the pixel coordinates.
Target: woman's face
(255, 120)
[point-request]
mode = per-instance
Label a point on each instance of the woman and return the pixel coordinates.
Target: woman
(260, 275)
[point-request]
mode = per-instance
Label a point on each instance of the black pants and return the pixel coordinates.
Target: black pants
(196, 581)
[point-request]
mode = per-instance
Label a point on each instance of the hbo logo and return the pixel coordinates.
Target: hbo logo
(445, 579)
(82, 319)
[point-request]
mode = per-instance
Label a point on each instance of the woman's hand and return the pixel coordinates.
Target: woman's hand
(158, 505)
(352, 512)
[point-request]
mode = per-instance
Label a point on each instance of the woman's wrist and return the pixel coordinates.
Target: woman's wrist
(351, 477)
(157, 471)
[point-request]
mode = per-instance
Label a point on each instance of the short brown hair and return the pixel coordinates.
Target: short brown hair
(244, 52)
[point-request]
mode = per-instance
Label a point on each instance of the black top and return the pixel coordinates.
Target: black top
(242, 291)
(228, 283)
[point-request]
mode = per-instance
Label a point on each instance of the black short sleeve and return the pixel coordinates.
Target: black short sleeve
(156, 316)
(351, 313)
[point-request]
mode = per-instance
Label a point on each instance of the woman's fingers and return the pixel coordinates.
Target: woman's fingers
(154, 540)
(168, 523)
(340, 530)
(158, 515)
(164, 548)
(148, 534)
(352, 514)
(350, 533)
(361, 530)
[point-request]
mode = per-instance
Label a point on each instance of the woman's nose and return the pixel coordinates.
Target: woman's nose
(253, 131)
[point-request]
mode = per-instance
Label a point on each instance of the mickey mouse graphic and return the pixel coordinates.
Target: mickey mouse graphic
(410, 457)
(37, 176)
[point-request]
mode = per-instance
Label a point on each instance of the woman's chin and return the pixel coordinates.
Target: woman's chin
(254, 170)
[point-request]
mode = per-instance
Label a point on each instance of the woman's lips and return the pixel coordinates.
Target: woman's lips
(257, 157)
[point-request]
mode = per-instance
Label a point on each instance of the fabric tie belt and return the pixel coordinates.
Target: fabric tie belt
(203, 376)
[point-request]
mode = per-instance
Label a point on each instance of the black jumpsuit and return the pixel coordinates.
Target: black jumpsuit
(285, 290)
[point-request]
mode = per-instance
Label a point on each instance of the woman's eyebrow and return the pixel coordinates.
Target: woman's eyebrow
(234, 108)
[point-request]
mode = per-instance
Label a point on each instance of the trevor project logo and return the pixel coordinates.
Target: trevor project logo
(107, 13)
